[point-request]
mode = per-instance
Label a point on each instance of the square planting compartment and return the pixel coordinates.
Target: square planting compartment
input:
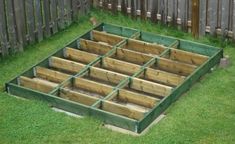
(123, 76)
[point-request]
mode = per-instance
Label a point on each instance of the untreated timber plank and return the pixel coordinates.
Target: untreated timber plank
(163, 77)
(120, 66)
(105, 75)
(78, 55)
(35, 84)
(106, 37)
(122, 110)
(187, 57)
(175, 67)
(77, 97)
(144, 47)
(66, 65)
(92, 86)
(132, 56)
(150, 87)
(94, 47)
(137, 98)
(51, 75)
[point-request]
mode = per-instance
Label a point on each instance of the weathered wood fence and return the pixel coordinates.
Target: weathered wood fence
(23, 22)
(215, 17)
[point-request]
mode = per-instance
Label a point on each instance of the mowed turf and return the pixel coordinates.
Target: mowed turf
(205, 114)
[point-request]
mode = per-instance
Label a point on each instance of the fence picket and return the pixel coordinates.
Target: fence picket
(39, 20)
(11, 26)
(29, 6)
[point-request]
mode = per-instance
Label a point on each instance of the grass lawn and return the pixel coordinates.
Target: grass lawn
(205, 114)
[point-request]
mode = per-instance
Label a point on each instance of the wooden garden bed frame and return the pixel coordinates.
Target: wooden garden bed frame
(123, 76)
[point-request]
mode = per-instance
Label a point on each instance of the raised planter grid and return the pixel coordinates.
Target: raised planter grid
(120, 75)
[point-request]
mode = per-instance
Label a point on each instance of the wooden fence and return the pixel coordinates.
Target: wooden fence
(23, 22)
(215, 17)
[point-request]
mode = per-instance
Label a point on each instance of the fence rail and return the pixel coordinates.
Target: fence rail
(215, 17)
(23, 22)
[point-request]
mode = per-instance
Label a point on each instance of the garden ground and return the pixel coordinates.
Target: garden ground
(205, 114)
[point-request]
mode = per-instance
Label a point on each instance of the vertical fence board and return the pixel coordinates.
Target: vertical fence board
(133, 9)
(230, 18)
(29, 7)
(182, 13)
(46, 9)
(3, 28)
(170, 10)
(114, 6)
(154, 11)
(225, 15)
(124, 7)
(39, 20)
(11, 25)
(202, 23)
(68, 5)
(212, 8)
(20, 23)
(142, 10)
(61, 14)
(82, 6)
(175, 11)
(189, 10)
(75, 9)
(53, 8)
(161, 9)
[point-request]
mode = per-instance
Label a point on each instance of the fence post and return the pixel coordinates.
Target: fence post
(195, 18)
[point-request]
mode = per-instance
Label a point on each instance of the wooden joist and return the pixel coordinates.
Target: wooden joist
(122, 110)
(77, 97)
(136, 98)
(50, 75)
(175, 67)
(92, 86)
(144, 47)
(187, 57)
(94, 47)
(132, 56)
(106, 75)
(120, 66)
(80, 56)
(106, 37)
(36, 84)
(163, 77)
(150, 87)
(66, 65)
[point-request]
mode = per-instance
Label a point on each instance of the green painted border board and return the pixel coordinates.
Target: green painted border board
(137, 126)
